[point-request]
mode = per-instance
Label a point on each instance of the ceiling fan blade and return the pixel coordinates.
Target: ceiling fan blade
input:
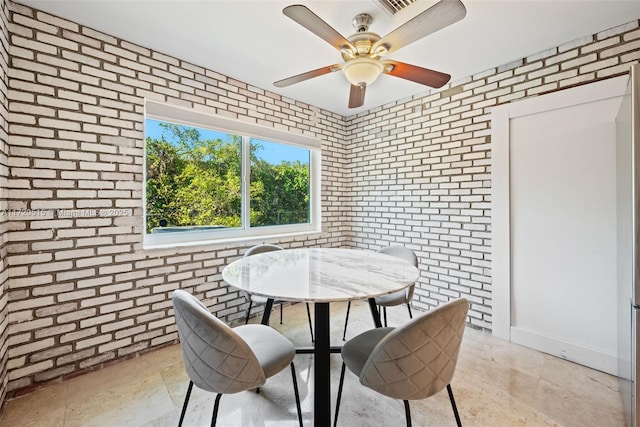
(312, 22)
(306, 76)
(416, 74)
(437, 17)
(356, 96)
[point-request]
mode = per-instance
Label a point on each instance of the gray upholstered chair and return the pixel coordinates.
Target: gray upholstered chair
(258, 249)
(410, 362)
(224, 360)
(397, 298)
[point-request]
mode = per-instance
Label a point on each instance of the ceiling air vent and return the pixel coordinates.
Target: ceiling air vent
(395, 6)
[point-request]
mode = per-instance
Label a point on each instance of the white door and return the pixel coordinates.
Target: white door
(560, 230)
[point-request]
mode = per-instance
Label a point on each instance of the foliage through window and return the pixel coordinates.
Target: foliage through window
(195, 182)
(279, 184)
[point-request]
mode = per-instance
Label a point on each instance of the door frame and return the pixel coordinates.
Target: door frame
(500, 182)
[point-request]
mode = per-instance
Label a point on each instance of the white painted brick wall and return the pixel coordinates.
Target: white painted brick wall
(414, 172)
(4, 224)
(449, 133)
(82, 292)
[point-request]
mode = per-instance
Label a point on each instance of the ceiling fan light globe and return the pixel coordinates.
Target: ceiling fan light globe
(362, 70)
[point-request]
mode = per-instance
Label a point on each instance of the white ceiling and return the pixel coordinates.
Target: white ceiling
(252, 41)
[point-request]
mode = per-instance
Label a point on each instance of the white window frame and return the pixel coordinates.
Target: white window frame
(169, 113)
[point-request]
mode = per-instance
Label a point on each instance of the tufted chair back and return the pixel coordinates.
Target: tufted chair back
(215, 357)
(418, 360)
(265, 247)
(407, 255)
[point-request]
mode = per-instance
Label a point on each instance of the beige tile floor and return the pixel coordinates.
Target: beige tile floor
(496, 384)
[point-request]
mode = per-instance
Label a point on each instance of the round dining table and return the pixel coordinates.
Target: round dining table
(321, 276)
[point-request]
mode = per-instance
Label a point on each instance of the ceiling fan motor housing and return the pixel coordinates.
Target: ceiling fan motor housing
(363, 43)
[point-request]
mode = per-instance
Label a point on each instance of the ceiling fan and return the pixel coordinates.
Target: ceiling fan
(363, 51)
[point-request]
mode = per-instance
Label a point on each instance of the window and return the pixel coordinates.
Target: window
(279, 190)
(212, 179)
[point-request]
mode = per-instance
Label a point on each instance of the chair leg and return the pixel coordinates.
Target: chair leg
(407, 412)
(248, 312)
(346, 322)
(215, 410)
(409, 308)
(384, 310)
(186, 402)
(335, 419)
(281, 313)
(310, 323)
(453, 405)
(295, 389)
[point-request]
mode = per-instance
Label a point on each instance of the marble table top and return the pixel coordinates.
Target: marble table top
(320, 274)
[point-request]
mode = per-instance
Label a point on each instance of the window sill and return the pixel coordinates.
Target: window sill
(228, 240)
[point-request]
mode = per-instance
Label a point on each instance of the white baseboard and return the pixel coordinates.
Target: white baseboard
(590, 357)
